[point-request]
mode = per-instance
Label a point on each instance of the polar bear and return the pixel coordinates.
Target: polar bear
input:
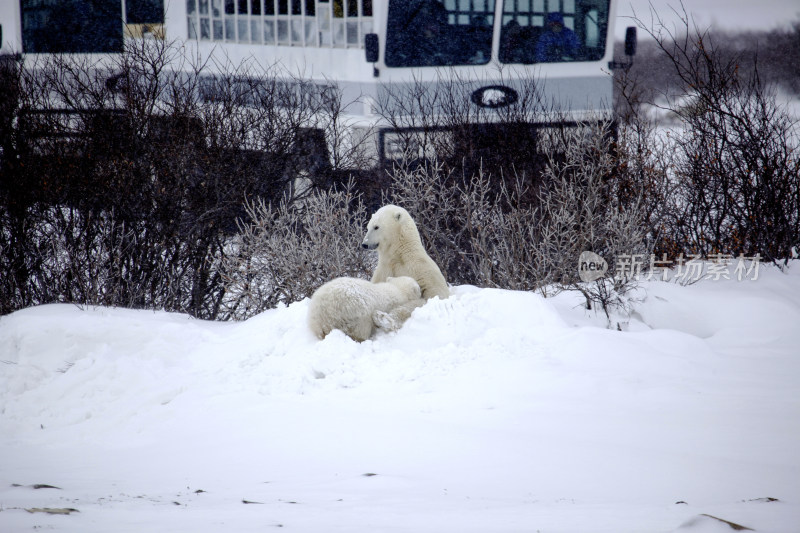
(349, 304)
(392, 232)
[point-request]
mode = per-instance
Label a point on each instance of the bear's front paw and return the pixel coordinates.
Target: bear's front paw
(385, 321)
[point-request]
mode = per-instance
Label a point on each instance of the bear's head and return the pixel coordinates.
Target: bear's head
(407, 285)
(390, 225)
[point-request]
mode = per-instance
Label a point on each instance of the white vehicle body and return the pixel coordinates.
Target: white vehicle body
(490, 47)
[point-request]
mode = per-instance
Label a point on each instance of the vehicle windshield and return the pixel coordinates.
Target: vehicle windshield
(553, 31)
(439, 33)
(430, 33)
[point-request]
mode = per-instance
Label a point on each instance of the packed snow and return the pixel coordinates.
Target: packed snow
(491, 411)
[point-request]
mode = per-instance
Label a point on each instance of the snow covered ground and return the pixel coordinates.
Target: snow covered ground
(493, 411)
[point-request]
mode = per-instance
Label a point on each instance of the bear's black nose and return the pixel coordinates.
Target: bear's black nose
(365, 245)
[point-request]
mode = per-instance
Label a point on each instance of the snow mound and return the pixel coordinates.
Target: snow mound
(78, 364)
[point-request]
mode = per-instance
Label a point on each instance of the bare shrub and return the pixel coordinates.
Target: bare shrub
(774, 52)
(448, 214)
(735, 172)
(122, 179)
(481, 236)
(592, 205)
(288, 250)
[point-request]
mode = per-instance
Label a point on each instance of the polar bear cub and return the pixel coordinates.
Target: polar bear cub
(349, 304)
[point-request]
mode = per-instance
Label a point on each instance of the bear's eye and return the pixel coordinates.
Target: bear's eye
(376, 227)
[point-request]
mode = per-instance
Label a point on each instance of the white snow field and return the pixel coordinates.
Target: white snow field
(492, 411)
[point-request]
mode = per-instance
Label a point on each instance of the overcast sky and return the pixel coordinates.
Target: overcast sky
(725, 14)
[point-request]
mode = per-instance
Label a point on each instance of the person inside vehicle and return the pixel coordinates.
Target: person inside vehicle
(433, 44)
(557, 43)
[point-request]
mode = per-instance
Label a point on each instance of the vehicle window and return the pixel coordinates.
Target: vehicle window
(324, 23)
(71, 26)
(551, 31)
(439, 33)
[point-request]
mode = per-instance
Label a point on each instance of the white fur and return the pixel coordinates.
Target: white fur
(392, 232)
(348, 304)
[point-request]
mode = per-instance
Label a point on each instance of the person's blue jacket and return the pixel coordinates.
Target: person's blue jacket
(555, 45)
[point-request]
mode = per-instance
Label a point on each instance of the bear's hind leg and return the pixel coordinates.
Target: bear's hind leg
(359, 329)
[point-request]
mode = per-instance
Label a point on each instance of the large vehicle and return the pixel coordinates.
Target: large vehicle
(378, 54)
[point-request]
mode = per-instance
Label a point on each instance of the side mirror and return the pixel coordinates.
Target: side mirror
(630, 41)
(371, 47)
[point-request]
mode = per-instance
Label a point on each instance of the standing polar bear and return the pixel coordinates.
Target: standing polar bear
(349, 304)
(392, 232)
